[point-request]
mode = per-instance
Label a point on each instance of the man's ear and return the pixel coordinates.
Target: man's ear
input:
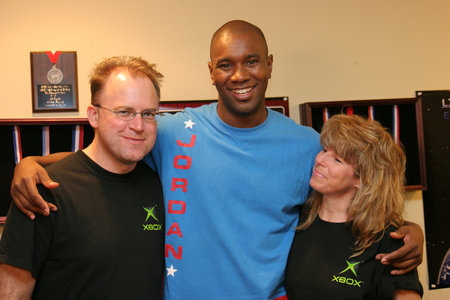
(210, 66)
(270, 64)
(92, 114)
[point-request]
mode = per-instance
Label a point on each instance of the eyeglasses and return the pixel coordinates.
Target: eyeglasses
(128, 114)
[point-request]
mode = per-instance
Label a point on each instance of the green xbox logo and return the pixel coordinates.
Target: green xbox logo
(348, 280)
(150, 213)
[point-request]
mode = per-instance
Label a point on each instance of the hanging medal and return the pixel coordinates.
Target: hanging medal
(55, 75)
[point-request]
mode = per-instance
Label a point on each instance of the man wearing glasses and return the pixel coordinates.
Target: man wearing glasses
(106, 240)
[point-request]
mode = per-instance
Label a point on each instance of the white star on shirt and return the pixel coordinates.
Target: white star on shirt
(171, 271)
(189, 124)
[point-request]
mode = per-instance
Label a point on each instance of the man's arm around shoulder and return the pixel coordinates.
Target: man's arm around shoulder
(15, 283)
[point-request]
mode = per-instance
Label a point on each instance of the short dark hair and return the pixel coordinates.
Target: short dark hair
(239, 26)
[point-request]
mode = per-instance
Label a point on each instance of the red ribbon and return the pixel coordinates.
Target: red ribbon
(350, 111)
(53, 57)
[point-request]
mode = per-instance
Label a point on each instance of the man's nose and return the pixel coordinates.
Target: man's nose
(240, 73)
(137, 123)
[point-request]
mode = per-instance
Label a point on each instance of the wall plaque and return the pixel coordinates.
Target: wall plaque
(54, 81)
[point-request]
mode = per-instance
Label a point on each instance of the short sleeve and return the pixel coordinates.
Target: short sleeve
(390, 283)
(17, 239)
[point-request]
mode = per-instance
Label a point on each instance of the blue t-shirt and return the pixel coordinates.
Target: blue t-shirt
(232, 197)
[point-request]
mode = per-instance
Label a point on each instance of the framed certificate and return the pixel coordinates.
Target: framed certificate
(54, 81)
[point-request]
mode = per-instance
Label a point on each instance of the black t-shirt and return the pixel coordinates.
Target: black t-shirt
(106, 241)
(319, 266)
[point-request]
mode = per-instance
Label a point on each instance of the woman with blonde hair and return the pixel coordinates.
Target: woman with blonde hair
(357, 201)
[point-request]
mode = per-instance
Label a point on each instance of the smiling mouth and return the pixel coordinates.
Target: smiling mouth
(242, 91)
(318, 174)
(134, 139)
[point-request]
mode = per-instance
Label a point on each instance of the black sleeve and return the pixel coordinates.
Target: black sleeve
(43, 234)
(24, 242)
(16, 245)
(388, 282)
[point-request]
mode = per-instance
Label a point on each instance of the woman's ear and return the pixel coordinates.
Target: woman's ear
(357, 182)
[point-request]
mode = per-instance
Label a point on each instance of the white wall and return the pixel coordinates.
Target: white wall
(323, 49)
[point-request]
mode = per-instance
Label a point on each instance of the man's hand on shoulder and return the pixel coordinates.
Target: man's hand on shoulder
(408, 257)
(27, 174)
